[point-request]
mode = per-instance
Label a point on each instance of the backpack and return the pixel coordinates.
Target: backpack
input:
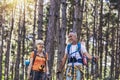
(84, 58)
(27, 62)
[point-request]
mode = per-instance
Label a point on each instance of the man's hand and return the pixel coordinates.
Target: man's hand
(48, 76)
(59, 71)
(95, 59)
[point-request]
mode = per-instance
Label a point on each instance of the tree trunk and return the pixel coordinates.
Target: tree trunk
(62, 39)
(117, 68)
(76, 15)
(107, 42)
(87, 43)
(112, 53)
(40, 19)
(23, 41)
(34, 25)
(7, 55)
(16, 77)
(70, 16)
(50, 33)
(100, 38)
(1, 41)
(1, 45)
(94, 39)
(79, 28)
(57, 33)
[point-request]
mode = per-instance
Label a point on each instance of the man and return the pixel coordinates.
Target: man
(74, 56)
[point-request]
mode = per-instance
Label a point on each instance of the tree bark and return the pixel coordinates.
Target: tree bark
(117, 68)
(50, 33)
(76, 18)
(8, 49)
(112, 53)
(40, 19)
(34, 25)
(23, 41)
(62, 39)
(1, 41)
(17, 77)
(100, 38)
(107, 42)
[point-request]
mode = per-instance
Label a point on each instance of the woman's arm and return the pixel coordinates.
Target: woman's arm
(47, 68)
(29, 68)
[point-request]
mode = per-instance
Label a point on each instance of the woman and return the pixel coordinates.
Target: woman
(39, 65)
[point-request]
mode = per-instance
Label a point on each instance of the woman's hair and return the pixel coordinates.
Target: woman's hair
(41, 42)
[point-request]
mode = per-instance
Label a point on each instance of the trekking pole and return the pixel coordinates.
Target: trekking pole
(72, 69)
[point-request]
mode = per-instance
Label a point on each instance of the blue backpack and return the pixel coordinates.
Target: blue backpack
(78, 50)
(27, 62)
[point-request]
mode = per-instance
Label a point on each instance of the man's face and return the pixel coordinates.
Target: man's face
(72, 38)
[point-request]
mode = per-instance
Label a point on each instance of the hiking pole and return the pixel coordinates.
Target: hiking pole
(58, 73)
(73, 69)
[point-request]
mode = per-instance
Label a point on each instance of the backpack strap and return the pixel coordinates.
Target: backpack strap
(44, 53)
(79, 48)
(35, 53)
(68, 48)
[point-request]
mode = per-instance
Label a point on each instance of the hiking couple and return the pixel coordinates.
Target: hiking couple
(73, 52)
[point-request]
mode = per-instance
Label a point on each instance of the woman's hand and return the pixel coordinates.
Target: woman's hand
(28, 77)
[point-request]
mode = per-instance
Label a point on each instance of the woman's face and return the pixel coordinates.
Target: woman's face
(39, 47)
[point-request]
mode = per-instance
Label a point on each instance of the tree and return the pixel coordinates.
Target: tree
(8, 49)
(23, 40)
(40, 19)
(50, 33)
(100, 47)
(62, 39)
(34, 24)
(117, 69)
(1, 47)
(17, 67)
(1, 41)
(78, 16)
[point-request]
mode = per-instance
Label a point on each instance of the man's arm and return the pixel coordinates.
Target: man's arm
(88, 55)
(84, 51)
(62, 64)
(95, 58)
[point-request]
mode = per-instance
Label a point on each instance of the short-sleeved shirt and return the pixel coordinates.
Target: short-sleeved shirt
(38, 61)
(74, 48)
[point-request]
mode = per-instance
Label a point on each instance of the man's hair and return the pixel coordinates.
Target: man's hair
(73, 33)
